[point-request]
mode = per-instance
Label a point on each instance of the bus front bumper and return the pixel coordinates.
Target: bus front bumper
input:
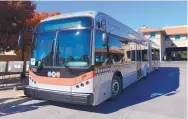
(60, 96)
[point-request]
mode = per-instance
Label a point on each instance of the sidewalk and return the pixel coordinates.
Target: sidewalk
(10, 98)
(8, 95)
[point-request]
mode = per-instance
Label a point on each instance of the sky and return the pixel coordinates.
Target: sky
(134, 14)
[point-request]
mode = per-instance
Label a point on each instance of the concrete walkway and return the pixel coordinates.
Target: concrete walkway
(161, 95)
(9, 96)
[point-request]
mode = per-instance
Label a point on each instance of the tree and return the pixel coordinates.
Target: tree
(12, 20)
(18, 16)
(37, 17)
(31, 23)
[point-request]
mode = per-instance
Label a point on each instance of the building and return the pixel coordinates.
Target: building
(172, 40)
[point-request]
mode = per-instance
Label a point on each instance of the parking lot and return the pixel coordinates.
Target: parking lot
(161, 95)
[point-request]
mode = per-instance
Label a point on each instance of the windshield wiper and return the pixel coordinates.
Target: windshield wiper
(64, 63)
(67, 67)
(40, 67)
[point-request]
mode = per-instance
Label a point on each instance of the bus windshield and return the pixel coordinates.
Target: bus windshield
(69, 46)
(73, 48)
(56, 43)
(43, 48)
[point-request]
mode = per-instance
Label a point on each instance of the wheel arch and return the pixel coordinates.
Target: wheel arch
(119, 74)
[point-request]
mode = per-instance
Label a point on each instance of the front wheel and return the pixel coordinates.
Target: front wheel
(116, 87)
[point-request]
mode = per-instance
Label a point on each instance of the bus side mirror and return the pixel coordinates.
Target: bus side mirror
(20, 40)
(105, 39)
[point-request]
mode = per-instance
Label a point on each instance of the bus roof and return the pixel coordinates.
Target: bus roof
(123, 30)
(74, 14)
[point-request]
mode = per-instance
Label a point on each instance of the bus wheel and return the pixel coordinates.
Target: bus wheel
(116, 87)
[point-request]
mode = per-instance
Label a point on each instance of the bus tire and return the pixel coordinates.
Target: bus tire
(116, 87)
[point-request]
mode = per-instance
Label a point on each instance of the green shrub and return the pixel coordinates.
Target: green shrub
(184, 54)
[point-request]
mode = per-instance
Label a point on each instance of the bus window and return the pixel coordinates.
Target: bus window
(43, 50)
(138, 55)
(155, 54)
(115, 45)
(129, 52)
(133, 52)
(115, 55)
(145, 52)
(144, 55)
(100, 50)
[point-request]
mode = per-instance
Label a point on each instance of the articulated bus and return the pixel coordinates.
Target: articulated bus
(86, 58)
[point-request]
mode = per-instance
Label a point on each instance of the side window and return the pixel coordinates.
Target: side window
(155, 54)
(138, 52)
(153, 51)
(177, 37)
(100, 50)
(129, 51)
(152, 34)
(133, 53)
(145, 53)
(167, 37)
(115, 52)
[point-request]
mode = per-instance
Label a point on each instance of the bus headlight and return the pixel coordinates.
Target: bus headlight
(77, 86)
(87, 82)
(82, 84)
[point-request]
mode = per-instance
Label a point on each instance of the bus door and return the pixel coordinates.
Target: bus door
(139, 60)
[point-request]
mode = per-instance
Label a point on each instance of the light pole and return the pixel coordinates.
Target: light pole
(21, 45)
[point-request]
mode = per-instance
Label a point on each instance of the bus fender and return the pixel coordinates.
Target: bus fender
(118, 73)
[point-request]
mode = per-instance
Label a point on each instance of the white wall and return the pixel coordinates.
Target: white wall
(158, 39)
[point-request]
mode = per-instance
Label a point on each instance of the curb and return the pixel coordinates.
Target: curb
(16, 102)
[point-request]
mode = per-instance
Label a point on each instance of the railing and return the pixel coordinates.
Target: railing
(11, 67)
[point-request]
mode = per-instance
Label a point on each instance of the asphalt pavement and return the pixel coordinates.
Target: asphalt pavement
(161, 95)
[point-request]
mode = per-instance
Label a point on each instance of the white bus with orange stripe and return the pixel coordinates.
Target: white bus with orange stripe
(86, 58)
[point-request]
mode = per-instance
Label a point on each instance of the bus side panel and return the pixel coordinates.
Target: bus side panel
(145, 68)
(154, 65)
(103, 78)
(102, 85)
(129, 73)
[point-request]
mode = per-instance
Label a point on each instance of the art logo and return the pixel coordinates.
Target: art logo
(53, 74)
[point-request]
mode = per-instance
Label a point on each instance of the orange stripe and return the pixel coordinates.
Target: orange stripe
(62, 81)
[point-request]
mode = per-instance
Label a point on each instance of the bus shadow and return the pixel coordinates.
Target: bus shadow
(22, 108)
(162, 82)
